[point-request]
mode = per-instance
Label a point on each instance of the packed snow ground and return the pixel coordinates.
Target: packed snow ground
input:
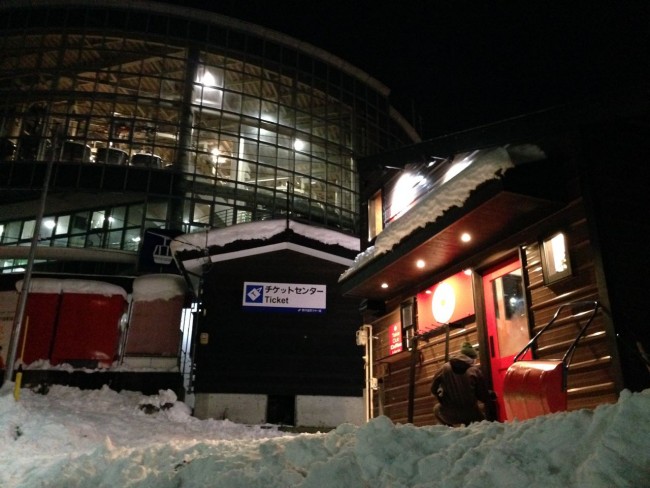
(72, 438)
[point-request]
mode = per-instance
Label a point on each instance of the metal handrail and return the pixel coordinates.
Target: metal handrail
(568, 355)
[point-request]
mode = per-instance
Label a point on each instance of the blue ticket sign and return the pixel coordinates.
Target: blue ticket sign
(284, 297)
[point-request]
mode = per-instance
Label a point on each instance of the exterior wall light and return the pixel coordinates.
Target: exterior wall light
(556, 264)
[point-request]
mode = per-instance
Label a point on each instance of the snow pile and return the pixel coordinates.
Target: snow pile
(73, 438)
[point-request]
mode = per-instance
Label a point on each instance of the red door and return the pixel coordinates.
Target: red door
(507, 321)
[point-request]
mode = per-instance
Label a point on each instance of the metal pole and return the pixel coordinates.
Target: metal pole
(370, 363)
(415, 356)
(20, 313)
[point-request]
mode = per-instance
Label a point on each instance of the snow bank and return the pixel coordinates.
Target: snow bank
(72, 438)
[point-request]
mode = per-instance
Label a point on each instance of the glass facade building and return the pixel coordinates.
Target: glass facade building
(154, 116)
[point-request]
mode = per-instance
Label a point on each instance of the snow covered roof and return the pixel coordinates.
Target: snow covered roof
(199, 253)
(158, 287)
(490, 164)
(88, 287)
(264, 229)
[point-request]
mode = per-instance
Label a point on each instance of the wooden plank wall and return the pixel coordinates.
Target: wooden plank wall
(591, 374)
(591, 378)
(393, 373)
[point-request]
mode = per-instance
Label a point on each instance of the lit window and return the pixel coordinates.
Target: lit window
(375, 216)
(555, 258)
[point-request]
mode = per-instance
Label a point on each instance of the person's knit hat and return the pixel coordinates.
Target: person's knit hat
(468, 350)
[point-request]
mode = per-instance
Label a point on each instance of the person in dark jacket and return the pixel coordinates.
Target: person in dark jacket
(459, 386)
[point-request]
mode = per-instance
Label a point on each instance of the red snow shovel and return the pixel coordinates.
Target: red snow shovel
(538, 387)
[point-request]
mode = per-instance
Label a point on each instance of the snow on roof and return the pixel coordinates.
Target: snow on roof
(89, 287)
(41, 285)
(264, 229)
(92, 288)
(489, 165)
(158, 287)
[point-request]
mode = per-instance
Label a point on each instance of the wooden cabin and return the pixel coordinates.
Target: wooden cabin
(483, 235)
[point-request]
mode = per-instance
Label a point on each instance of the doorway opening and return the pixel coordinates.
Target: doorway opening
(281, 409)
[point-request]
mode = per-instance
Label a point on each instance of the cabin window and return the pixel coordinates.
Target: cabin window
(375, 216)
(556, 264)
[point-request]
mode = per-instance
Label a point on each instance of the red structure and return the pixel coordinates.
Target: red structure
(155, 316)
(88, 327)
(40, 319)
(73, 321)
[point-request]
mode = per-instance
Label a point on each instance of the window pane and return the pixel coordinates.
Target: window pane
(118, 218)
(115, 239)
(157, 210)
(62, 224)
(135, 215)
(131, 239)
(80, 222)
(28, 229)
(98, 220)
(11, 233)
(47, 227)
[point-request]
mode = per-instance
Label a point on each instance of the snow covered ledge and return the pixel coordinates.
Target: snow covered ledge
(311, 411)
(242, 409)
(329, 411)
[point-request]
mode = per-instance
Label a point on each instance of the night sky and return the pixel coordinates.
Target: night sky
(457, 64)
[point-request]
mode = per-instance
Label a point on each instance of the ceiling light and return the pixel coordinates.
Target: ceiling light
(298, 145)
(384, 285)
(465, 237)
(420, 263)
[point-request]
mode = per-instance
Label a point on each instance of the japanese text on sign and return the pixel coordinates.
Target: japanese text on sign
(285, 297)
(395, 338)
